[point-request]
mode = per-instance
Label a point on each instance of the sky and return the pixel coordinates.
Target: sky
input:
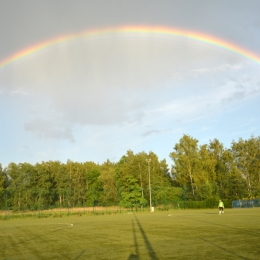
(89, 80)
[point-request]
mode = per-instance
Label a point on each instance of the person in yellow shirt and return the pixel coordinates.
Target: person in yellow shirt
(221, 207)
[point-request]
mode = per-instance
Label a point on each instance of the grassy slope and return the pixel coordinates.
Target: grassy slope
(183, 234)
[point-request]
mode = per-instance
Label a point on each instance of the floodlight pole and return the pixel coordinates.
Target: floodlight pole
(150, 191)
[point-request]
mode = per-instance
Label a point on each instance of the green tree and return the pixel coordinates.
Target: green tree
(108, 181)
(94, 189)
(60, 183)
(186, 162)
(19, 184)
(247, 160)
(3, 187)
(229, 180)
(205, 179)
(217, 149)
(136, 165)
(44, 184)
(132, 196)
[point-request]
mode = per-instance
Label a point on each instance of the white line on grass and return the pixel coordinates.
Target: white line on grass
(69, 225)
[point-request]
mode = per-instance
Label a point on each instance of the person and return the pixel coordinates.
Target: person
(221, 207)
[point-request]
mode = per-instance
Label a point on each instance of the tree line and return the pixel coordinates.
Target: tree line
(199, 173)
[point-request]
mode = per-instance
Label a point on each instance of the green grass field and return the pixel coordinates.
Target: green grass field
(176, 234)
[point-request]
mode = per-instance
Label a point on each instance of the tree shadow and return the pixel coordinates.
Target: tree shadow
(222, 248)
(252, 233)
(32, 238)
(80, 255)
(136, 255)
(133, 257)
(148, 245)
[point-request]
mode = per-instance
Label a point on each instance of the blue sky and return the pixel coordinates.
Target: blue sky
(95, 98)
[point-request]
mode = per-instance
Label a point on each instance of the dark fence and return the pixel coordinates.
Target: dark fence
(47, 202)
(246, 203)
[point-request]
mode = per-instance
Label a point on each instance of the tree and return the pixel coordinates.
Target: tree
(60, 183)
(108, 182)
(135, 165)
(205, 180)
(94, 189)
(217, 150)
(186, 162)
(247, 160)
(3, 187)
(132, 196)
(19, 184)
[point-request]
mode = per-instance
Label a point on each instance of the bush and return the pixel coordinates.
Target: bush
(212, 202)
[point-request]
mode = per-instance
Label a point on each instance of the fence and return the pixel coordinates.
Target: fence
(93, 200)
(246, 203)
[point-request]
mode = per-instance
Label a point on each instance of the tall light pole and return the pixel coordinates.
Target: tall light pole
(150, 191)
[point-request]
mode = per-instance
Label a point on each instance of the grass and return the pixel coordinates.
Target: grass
(54, 213)
(174, 234)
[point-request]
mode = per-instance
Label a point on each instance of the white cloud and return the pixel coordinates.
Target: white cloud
(220, 68)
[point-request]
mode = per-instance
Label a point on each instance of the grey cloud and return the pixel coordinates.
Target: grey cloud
(25, 147)
(234, 97)
(44, 129)
(98, 108)
(228, 19)
(110, 79)
(113, 61)
(238, 89)
(102, 81)
(255, 92)
(150, 132)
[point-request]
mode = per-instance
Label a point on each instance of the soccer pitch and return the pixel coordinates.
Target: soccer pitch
(176, 234)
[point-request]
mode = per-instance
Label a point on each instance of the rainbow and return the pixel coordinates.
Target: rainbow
(142, 30)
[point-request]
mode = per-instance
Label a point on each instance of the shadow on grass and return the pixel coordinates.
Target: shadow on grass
(224, 249)
(251, 233)
(80, 255)
(34, 237)
(134, 256)
(148, 245)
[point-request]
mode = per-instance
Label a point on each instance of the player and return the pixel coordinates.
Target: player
(221, 207)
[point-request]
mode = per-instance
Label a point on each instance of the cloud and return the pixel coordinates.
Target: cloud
(150, 132)
(248, 88)
(46, 129)
(199, 102)
(234, 97)
(122, 81)
(20, 92)
(217, 69)
(156, 132)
